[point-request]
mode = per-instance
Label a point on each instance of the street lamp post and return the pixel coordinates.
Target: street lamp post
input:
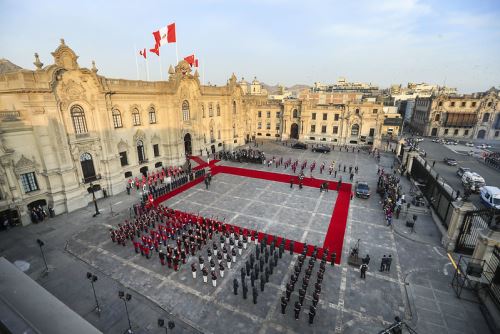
(92, 278)
(41, 243)
(95, 200)
(126, 298)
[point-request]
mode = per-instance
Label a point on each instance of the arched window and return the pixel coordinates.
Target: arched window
(141, 156)
(78, 117)
(234, 131)
(212, 138)
(152, 116)
(87, 167)
(354, 130)
(218, 109)
(438, 116)
(136, 117)
(117, 118)
(486, 117)
(295, 113)
(234, 107)
(210, 110)
(203, 110)
(357, 111)
(185, 111)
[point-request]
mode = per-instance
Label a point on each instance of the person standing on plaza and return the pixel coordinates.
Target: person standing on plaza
(363, 269)
(388, 263)
(383, 263)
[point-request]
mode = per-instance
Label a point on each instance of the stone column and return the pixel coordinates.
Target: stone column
(449, 241)
(410, 157)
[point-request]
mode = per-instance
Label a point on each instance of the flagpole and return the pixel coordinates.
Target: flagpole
(176, 54)
(136, 62)
(161, 71)
(147, 69)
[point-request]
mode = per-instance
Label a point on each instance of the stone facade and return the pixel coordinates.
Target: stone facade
(459, 116)
(63, 126)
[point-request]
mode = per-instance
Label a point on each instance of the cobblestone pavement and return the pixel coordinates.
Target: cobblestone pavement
(417, 288)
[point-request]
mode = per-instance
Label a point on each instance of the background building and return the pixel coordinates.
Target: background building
(475, 116)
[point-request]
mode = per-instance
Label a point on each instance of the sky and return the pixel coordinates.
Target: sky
(451, 42)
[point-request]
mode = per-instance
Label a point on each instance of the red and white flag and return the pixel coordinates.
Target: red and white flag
(165, 35)
(196, 63)
(190, 60)
(156, 50)
(143, 53)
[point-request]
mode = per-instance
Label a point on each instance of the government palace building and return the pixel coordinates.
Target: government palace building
(63, 126)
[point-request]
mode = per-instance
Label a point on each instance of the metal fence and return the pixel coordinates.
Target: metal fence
(474, 222)
(493, 276)
(439, 194)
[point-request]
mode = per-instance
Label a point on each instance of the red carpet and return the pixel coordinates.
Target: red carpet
(334, 239)
(202, 163)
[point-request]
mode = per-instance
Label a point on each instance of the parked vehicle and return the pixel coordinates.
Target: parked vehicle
(462, 170)
(300, 146)
(473, 180)
(450, 161)
(321, 149)
(483, 146)
(362, 190)
(469, 144)
(490, 196)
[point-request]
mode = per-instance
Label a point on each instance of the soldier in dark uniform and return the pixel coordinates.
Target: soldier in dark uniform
(235, 286)
(252, 260)
(302, 294)
(266, 255)
(242, 271)
(288, 291)
(292, 245)
(317, 287)
(254, 295)
(297, 310)
(312, 313)
(245, 291)
(334, 257)
(267, 274)
(315, 298)
(280, 250)
(283, 304)
(252, 278)
(261, 262)
(262, 282)
(271, 267)
(256, 270)
(247, 267)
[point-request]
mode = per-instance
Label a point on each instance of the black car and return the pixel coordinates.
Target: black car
(300, 146)
(321, 149)
(450, 161)
(362, 190)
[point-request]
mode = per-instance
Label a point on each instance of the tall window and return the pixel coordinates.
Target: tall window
(335, 130)
(136, 117)
(313, 115)
(357, 111)
(313, 128)
(78, 117)
(323, 129)
(140, 151)
(234, 107)
(203, 110)
(218, 134)
(123, 158)
(259, 114)
(259, 125)
(295, 113)
(486, 117)
(210, 110)
(372, 132)
(437, 117)
(355, 130)
(278, 114)
(325, 116)
(234, 131)
(268, 114)
(87, 167)
(156, 150)
(117, 119)
(268, 125)
(29, 183)
(152, 116)
(218, 109)
(185, 111)
(336, 117)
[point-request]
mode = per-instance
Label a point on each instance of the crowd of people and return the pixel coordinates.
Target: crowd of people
(38, 214)
(242, 155)
(493, 159)
(390, 190)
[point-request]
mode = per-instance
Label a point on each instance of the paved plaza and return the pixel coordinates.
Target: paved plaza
(417, 288)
